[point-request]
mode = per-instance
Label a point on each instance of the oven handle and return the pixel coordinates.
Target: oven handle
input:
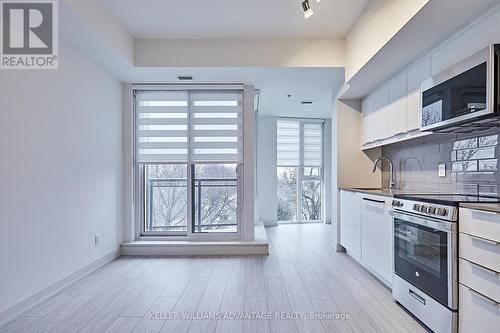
(426, 222)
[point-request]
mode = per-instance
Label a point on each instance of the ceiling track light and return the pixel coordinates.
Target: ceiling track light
(307, 9)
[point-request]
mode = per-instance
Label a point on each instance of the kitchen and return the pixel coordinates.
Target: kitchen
(431, 231)
(250, 166)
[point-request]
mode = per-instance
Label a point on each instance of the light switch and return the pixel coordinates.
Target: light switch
(442, 170)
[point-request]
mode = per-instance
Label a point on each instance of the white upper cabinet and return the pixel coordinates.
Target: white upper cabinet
(380, 119)
(397, 104)
(392, 112)
(367, 128)
(414, 78)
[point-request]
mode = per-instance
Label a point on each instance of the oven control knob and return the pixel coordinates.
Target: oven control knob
(416, 207)
(397, 203)
(442, 211)
(423, 209)
(432, 210)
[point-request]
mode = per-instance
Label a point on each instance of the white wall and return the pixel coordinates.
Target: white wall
(378, 23)
(60, 173)
(266, 169)
(240, 53)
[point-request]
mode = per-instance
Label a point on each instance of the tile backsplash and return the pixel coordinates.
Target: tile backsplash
(471, 163)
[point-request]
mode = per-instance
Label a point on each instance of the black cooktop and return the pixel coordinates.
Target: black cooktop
(448, 199)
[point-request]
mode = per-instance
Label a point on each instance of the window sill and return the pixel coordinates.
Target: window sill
(165, 246)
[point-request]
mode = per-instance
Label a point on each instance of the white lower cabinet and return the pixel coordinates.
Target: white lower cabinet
(366, 232)
(479, 271)
(476, 313)
(376, 236)
(350, 223)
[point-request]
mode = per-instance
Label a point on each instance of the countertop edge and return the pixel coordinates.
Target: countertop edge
(380, 192)
(488, 207)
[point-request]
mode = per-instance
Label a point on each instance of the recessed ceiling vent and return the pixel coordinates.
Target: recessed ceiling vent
(184, 77)
(306, 102)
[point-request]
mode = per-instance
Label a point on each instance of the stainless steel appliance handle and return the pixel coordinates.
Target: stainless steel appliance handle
(416, 296)
(426, 221)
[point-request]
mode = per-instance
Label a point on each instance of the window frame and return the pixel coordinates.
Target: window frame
(139, 194)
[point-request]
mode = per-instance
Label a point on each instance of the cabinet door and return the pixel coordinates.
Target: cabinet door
(367, 128)
(397, 105)
(380, 118)
(376, 235)
(350, 223)
(414, 78)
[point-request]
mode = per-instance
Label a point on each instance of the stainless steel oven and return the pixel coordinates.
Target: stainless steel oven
(425, 277)
(425, 255)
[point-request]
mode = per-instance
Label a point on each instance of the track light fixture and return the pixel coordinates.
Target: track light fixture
(307, 9)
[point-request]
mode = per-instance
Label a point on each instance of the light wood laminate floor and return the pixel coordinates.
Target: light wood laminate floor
(303, 274)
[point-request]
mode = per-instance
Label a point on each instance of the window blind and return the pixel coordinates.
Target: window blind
(288, 142)
(216, 126)
(184, 126)
(313, 145)
(299, 143)
(162, 126)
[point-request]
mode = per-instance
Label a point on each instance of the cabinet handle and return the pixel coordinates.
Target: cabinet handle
(416, 296)
(484, 240)
(373, 200)
(485, 212)
(482, 297)
(484, 269)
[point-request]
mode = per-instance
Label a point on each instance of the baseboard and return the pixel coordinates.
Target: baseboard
(17, 309)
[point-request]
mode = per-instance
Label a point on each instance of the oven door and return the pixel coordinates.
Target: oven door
(425, 255)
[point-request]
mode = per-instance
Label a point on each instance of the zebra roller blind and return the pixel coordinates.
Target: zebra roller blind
(188, 126)
(299, 143)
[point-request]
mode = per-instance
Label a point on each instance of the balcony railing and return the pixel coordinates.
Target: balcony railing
(199, 185)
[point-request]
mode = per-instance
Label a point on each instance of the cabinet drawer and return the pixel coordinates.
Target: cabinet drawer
(480, 223)
(479, 278)
(477, 313)
(481, 251)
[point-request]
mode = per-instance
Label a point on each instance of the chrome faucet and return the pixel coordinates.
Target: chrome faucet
(392, 182)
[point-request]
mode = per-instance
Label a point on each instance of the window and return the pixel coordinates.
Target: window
(166, 193)
(188, 152)
(300, 170)
(215, 197)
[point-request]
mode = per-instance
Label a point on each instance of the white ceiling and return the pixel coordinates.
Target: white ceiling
(311, 84)
(222, 19)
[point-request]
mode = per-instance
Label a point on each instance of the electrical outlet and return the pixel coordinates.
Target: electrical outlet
(97, 240)
(442, 170)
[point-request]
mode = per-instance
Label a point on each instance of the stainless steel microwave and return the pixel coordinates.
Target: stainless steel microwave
(464, 97)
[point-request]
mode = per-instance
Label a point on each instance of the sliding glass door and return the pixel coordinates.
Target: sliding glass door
(188, 158)
(300, 170)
